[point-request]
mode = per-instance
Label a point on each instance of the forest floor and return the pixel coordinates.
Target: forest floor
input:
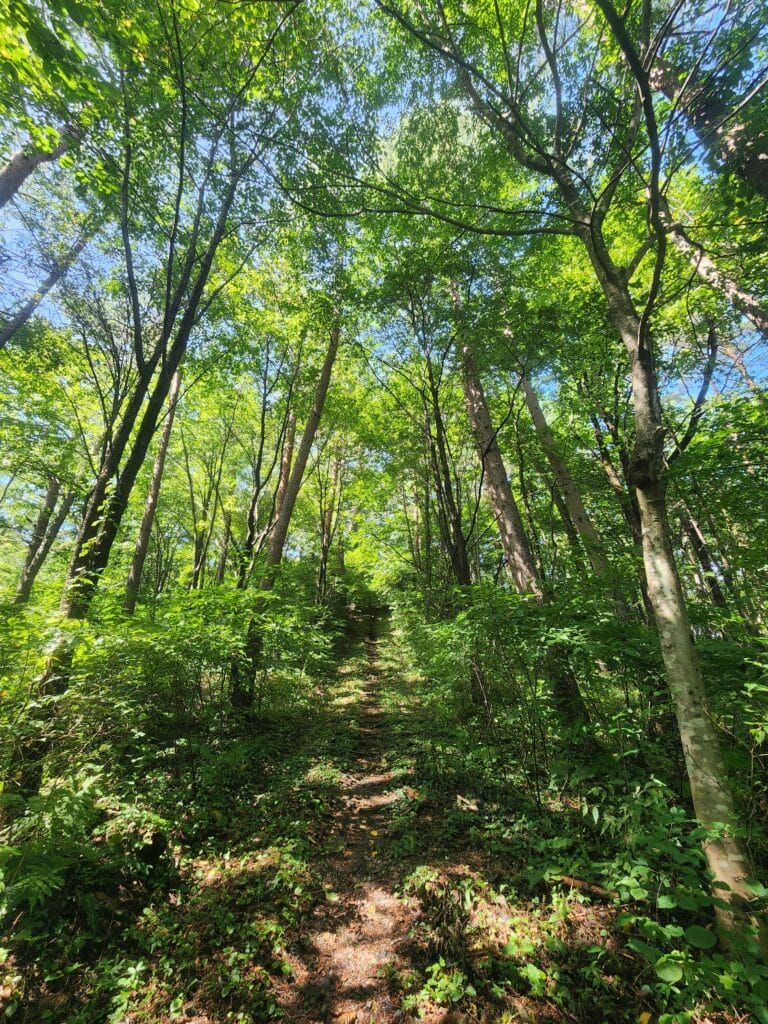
(353, 938)
(345, 865)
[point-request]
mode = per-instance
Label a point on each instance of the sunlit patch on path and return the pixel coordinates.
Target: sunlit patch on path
(362, 922)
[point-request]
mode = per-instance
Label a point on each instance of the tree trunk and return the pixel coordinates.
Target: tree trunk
(327, 527)
(705, 267)
(737, 358)
(283, 519)
(710, 791)
(44, 534)
(221, 567)
(22, 164)
(729, 140)
(60, 268)
(514, 541)
(286, 461)
(449, 515)
(705, 561)
(245, 667)
(150, 507)
(570, 492)
(568, 700)
(105, 510)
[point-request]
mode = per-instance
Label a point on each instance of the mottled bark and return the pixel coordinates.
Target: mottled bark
(710, 791)
(730, 140)
(150, 506)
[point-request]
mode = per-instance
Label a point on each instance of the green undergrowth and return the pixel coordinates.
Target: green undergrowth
(170, 882)
(175, 880)
(578, 894)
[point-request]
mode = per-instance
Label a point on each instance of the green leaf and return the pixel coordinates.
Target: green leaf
(700, 937)
(669, 970)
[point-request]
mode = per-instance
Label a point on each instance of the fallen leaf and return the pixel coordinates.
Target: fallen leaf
(644, 1017)
(345, 1017)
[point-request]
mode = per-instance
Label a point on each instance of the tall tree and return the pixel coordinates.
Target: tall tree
(487, 62)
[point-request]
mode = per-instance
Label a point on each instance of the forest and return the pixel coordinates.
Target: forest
(384, 511)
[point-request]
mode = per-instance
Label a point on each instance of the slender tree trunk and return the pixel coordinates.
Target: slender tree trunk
(567, 698)
(514, 540)
(221, 567)
(705, 561)
(150, 507)
(327, 527)
(57, 273)
(199, 553)
(286, 461)
(107, 505)
(570, 530)
(710, 791)
(97, 499)
(737, 358)
(245, 667)
(449, 516)
(22, 164)
(44, 534)
(105, 509)
(570, 492)
(283, 519)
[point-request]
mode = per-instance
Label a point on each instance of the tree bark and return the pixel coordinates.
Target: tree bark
(449, 515)
(710, 791)
(570, 492)
(150, 507)
(245, 667)
(23, 163)
(283, 519)
(705, 267)
(712, 799)
(221, 567)
(568, 700)
(44, 534)
(729, 141)
(286, 461)
(705, 560)
(59, 270)
(328, 526)
(514, 541)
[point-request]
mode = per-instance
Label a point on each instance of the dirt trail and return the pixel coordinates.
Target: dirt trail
(362, 923)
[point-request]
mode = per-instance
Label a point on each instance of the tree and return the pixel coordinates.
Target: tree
(483, 59)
